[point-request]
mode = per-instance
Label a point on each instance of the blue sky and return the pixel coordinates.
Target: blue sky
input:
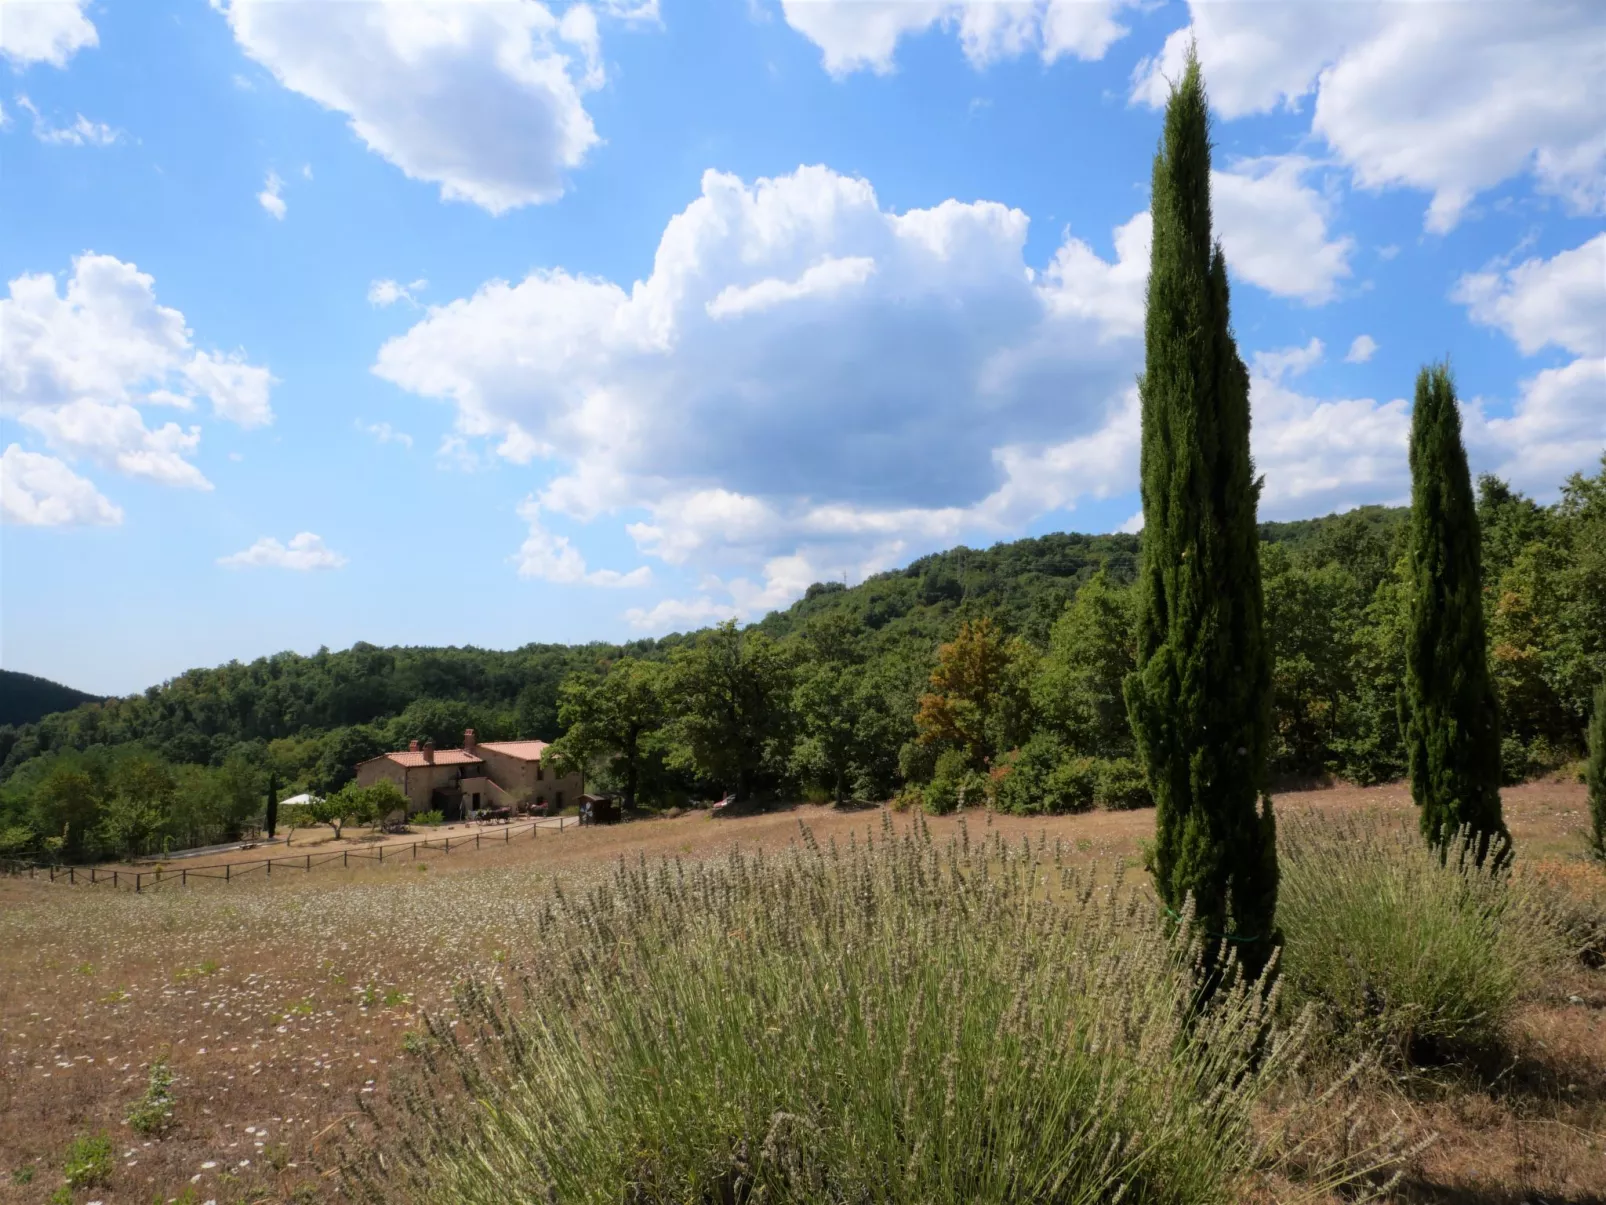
(448, 323)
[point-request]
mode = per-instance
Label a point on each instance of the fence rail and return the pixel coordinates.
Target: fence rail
(229, 872)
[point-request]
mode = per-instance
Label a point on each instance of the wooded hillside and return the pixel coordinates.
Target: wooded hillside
(833, 685)
(25, 698)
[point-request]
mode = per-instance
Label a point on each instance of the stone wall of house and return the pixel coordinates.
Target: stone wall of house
(418, 783)
(382, 769)
(527, 780)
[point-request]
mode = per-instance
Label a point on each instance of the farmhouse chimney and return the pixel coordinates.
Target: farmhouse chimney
(412, 747)
(429, 749)
(468, 740)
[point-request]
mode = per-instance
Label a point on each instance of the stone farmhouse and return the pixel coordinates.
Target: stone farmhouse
(461, 783)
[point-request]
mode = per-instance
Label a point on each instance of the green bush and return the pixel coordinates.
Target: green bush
(951, 780)
(152, 1114)
(429, 819)
(1515, 763)
(88, 1162)
(887, 1022)
(1122, 785)
(1393, 947)
(1042, 778)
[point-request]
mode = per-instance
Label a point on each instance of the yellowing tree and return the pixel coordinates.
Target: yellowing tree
(979, 694)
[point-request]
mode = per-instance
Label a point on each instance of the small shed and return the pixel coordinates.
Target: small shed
(599, 809)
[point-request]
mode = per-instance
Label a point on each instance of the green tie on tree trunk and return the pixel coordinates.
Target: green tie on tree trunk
(1200, 700)
(1448, 712)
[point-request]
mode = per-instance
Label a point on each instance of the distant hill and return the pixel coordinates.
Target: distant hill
(351, 699)
(25, 698)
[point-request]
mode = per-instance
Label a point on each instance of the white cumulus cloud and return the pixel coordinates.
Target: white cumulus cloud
(304, 553)
(1558, 424)
(1289, 361)
(1560, 301)
(1361, 350)
(1557, 427)
(855, 35)
(81, 132)
(485, 100)
(115, 436)
(77, 367)
(271, 197)
(41, 491)
(549, 556)
(806, 383)
(386, 434)
(389, 292)
(1450, 99)
(44, 31)
(823, 279)
(107, 340)
(1274, 229)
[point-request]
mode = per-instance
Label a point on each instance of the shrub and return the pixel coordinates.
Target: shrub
(917, 761)
(1393, 946)
(1041, 777)
(1515, 763)
(152, 1114)
(951, 777)
(88, 1162)
(888, 1022)
(913, 795)
(1122, 785)
(429, 819)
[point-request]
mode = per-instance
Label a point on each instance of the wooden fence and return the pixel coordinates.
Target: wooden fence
(230, 872)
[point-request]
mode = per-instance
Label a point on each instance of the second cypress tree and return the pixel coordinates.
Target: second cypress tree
(1199, 702)
(1595, 774)
(1449, 715)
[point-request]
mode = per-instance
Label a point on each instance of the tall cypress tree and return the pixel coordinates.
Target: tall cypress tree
(1595, 774)
(1200, 700)
(1449, 716)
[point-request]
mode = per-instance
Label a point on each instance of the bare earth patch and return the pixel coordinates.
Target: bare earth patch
(279, 1002)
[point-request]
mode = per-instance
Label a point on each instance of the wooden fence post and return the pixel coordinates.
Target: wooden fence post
(381, 855)
(344, 859)
(114, 878)
(137, 878)
(183, 876)
(227, 866)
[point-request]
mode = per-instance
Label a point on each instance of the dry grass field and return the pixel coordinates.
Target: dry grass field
(278, 1003)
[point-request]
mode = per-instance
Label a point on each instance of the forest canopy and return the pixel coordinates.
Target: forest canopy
(939, 682)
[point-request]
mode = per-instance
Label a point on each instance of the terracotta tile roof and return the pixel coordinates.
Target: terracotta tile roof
(443, 757)
(525, 750)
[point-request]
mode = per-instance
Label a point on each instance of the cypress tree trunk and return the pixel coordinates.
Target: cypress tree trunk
(1200, 700)
(1449, 716)
(1595, 775)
